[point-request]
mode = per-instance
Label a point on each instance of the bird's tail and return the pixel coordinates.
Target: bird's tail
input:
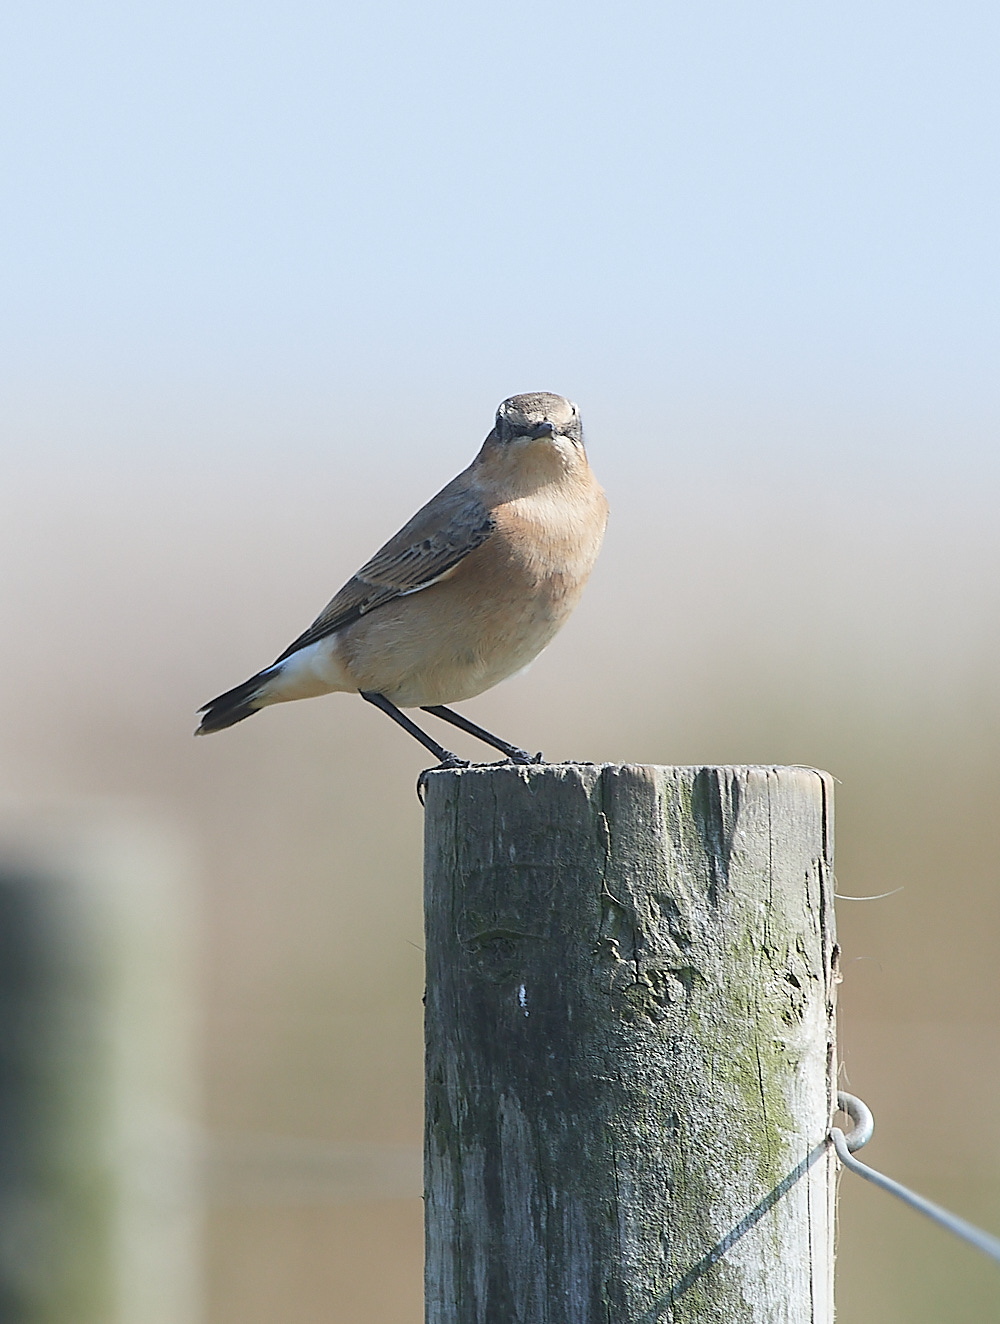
(233, 706)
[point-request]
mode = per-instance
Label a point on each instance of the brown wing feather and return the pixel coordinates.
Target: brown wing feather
(434, 541)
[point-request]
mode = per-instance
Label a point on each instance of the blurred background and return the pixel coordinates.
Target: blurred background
(268, 270)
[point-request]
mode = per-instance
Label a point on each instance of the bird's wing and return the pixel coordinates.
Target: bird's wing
(428, 547)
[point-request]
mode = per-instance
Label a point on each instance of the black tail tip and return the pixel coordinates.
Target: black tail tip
(218, 720)
(234, 706)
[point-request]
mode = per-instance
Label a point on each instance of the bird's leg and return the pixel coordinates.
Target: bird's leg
(444, 756)
(515, 754)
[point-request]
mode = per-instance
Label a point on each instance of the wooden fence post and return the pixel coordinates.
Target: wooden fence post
(630, 1045)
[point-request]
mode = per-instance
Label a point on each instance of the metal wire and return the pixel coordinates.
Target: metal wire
(858, 1136)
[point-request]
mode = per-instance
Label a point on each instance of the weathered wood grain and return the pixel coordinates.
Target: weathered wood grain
(630, 1051)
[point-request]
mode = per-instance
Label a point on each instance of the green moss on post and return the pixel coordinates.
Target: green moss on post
(629, 1026)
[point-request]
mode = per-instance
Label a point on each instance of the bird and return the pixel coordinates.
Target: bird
(465, 595)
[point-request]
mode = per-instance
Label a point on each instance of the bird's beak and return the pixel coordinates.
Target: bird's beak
(545, 429)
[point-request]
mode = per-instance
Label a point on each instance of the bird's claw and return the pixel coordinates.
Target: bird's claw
(518, 758)
(450, 761)
(522, 757)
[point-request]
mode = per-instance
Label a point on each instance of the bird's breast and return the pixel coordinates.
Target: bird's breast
(552, 537)
(489, 619)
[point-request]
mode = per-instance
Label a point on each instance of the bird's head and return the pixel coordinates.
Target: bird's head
(539, 416)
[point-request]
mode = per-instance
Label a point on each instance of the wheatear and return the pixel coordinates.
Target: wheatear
(465, 595)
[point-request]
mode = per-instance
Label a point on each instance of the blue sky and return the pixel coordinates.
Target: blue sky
(749, 203)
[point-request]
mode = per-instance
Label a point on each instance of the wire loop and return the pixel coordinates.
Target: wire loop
(861, 1115)
(859, 1135)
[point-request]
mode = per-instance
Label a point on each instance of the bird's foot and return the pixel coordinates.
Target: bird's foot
(516, 758)
(449, 761)
(522, 756)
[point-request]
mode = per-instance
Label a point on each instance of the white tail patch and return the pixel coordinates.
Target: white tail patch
(315, 669)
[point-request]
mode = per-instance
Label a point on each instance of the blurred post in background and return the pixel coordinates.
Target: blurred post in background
(100, 1207)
